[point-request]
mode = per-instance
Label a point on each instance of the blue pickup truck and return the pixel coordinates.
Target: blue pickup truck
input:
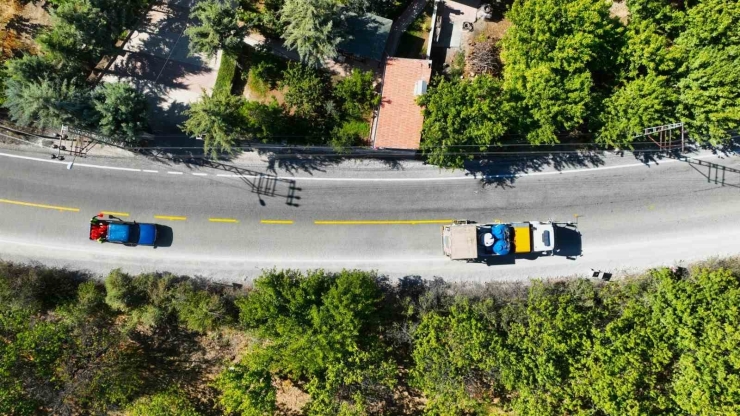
(123, 232)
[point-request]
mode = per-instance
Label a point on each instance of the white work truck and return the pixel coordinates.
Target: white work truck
(465, 240)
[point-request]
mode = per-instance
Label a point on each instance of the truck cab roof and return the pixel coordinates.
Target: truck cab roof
(132, 233)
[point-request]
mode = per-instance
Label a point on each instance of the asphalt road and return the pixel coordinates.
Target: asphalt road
(630, 217)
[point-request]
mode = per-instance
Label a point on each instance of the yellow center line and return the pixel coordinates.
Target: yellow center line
(277, 221)
(170, 217)
(383, 222)
(115, 214)
(29, 204)
(229, 220)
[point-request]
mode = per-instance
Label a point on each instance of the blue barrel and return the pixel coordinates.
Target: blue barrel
(499, 231)
(501, 248)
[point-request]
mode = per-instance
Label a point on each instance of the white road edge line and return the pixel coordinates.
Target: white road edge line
(237, 260)
(85, 165)
(303, 178)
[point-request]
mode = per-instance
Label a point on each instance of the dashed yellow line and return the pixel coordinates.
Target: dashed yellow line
(29, 204)
(227, 220)
(115, 214)
(170, 217)
(383, 222)
(277, 221)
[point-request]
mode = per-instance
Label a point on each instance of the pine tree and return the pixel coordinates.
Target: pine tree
(218, 29)
(44, 103)
(310, 29)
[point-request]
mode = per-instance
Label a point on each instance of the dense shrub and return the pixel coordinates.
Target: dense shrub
(351, 342)
(226, 73)
(350, 133)
(357, 94)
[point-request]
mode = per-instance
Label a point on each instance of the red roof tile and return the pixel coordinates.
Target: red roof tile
(400, 119)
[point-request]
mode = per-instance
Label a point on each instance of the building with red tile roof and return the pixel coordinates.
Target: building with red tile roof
(399, 121)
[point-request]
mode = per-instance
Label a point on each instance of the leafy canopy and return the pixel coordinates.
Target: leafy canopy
(217, 119)
(357, 94)
(555, 55)
(306, 90)
(643, 102)
(310, 30)
(460, 116)
(218, 28)
(323, 328)
(121, 110)
(44, 103)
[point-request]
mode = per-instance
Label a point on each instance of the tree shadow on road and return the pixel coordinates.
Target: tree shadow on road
(309, 160)
(503, 171)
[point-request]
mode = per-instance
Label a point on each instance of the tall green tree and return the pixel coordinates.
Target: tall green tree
(310, 29)
(647, 51)
(557, 54)
(702, 319)
(453, 353)
(463, 117)
(218, 28)
(709, 100)
(710, 46)
(218, 120)
(644, 102)
(81, 31)
(84, 30)
(121, 110)
(44, 104)
(631, 356)
(324, 328)
(33, 68)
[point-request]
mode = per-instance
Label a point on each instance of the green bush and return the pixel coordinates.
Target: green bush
(226, 72)
(197, 309)
(357, 93)
(37, 288)
(246, 388)
(122, 294)
(121, 110)
(350, 133)
(323, 328)
(307, 90)
(663, 343)
(171, 402)
(261, 77)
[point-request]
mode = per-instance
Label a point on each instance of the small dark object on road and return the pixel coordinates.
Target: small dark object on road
(601, 275)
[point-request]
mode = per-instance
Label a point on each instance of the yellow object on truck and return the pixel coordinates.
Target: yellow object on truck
(522, 238)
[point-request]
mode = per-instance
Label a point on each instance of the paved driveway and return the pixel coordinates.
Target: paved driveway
(156, 59)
